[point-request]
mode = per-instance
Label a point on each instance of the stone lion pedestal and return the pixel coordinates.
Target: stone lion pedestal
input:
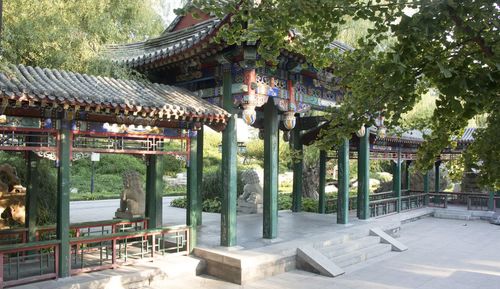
(250, 202)
(132, 198)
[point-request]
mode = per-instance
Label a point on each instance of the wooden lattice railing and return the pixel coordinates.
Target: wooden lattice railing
(93, 246)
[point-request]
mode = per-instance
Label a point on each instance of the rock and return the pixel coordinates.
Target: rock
(331, 189)
(495, 219)
(373, 183)
(132, 198)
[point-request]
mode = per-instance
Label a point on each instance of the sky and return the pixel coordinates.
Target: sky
(166, 9)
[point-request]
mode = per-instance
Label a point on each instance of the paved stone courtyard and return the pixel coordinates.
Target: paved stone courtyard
(442, 254)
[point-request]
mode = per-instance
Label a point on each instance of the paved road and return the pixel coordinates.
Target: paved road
(86, 211)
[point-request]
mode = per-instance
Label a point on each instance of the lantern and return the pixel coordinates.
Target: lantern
(289, 120)
(382, 131)
(361, 132)
(249, 114)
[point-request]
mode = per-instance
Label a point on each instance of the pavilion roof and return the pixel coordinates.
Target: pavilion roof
(417, 136)
(52, 88)
(169, 45)
(174, 45)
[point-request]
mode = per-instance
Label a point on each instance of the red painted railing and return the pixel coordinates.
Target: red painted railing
(34, 261)
(28, 262)
(94, 253)
(20, 235)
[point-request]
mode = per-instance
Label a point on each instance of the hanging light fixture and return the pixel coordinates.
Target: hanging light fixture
(249, 114)
(381, 129)
(289, 120)
(362, 131)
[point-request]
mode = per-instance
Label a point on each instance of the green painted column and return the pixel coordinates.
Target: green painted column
(229, 166)
(270, 206)
(200, 173)
(322, 182)
(154, 191)
(343, 190)
(407, 174)
(192, 190)
(491, 201)
(363, 209)
(298, 167)
(63, 185)
(437, 180)
(437, 184)
(32, 192)
(396, 180)
(426, 188)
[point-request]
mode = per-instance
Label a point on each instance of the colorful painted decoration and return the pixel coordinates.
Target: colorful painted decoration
(289, 120)
(249, 114)
(47, 123)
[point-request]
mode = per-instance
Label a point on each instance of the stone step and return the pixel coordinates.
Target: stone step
(341, 239)
(361, 255)
(455, 215)
(354, 245)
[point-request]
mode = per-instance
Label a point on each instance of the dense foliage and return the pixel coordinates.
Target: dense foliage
(407, 48)
(71, 34)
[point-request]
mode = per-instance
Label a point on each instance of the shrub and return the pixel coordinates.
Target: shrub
(173, 166)
(284, 201)
(212, 205)
(309, 205)
(179, 202)
(212, 181)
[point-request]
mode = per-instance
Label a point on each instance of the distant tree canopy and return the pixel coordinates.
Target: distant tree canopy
(405, 49)
(70, 34)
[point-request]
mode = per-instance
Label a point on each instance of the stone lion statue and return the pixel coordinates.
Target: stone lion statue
(250, 201)
(252, 191)
(12, 198)
(132, 198)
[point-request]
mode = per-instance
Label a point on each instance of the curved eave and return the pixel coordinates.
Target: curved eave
(47, 89)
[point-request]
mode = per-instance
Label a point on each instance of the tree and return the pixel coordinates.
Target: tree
(409, 48)
(70, 34)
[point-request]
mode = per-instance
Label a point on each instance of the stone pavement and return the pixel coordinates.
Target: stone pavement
(442, 254)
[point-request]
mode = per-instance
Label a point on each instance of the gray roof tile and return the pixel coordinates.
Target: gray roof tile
(65, 87)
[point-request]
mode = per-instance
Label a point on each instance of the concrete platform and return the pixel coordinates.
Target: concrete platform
(255, 258)
(258, 258)
(442, 254)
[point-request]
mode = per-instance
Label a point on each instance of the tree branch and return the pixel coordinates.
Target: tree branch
(485, 48)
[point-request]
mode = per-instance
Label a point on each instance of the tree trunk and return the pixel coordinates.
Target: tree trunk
(310, 181)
